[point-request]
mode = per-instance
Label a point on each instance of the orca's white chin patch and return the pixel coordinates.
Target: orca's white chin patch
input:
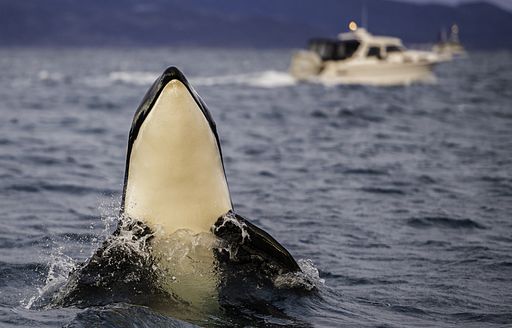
(176, 177)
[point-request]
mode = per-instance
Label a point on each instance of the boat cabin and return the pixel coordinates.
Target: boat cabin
(358, 43)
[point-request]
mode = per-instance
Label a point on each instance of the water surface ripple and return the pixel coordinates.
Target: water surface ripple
(401, 197)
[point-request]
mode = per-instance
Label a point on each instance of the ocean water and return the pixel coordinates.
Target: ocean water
(400, 197)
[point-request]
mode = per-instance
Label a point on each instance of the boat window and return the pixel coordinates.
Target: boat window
(346, 49)
(373, 52)
(391, 49)
(329, 49)
(324, 48)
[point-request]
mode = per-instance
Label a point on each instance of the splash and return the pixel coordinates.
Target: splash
(60, 267)
(308, 278)
(187, 267)
(231, 218)
(140, 265)
(109, 215)
(131, 237)
(241, 234)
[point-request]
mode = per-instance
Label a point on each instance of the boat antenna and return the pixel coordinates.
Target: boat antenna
(364, 15)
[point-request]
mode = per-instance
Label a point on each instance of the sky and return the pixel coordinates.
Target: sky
(507, 4)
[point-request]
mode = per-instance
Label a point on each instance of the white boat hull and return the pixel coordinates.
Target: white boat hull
(376, 74)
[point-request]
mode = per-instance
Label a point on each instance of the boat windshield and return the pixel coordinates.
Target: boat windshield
(391, 49)
(329, 49)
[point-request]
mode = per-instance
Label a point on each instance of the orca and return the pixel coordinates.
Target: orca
(174, 182)
(175, 177)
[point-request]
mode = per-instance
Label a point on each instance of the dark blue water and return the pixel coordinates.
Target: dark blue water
(401, 197)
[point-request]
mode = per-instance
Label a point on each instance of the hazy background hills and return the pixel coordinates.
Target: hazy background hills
(262, 23)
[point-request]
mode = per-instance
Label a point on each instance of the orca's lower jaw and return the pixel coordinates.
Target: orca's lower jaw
(176, 177)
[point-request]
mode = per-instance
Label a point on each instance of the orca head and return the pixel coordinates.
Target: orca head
(174, 177)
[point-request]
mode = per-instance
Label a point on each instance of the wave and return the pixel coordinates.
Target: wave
(308, 278)
(376, 190)
(125, 315)
(262, 79)
(47, 77)
(75, 189)
(443, 222)
(362, 171)
(136, 78)
(265, 79)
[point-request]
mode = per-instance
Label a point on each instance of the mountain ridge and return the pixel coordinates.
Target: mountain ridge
(232, 23)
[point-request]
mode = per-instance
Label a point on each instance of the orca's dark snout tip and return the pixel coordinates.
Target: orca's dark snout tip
(172, 70)
(173, 73)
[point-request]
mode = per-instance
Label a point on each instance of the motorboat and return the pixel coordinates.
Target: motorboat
(358, 57)
(449, 46)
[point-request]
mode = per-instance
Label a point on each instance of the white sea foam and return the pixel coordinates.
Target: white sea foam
(230, 217)
(308, 278)
(265, 79)
(135, 78)
(44, 75)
